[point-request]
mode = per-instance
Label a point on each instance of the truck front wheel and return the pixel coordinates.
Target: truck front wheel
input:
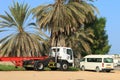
(64, 66)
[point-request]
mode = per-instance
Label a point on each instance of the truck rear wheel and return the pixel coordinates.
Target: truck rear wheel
(39, 66)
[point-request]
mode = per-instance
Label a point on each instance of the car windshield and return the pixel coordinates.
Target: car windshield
(82, 60)
(108, 60)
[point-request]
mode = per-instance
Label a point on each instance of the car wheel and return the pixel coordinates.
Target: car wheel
(83, 68)
(108, 70)
(97, 69)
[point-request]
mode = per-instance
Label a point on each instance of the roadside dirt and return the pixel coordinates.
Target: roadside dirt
(59, 75)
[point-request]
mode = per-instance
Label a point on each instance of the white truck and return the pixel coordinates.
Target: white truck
(59, 57)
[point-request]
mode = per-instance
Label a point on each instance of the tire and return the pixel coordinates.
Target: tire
(108, 70)
(97, 69)
(39, 66)
(83, 68)
(53, 69)
(28, 68)
(64, 66)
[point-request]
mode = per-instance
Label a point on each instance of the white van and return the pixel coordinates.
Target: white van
(97, 63)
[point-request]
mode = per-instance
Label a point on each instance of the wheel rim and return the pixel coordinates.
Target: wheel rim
(40, 66)
(97, 69)
(83, 68)
(65, 66)
(58, 65)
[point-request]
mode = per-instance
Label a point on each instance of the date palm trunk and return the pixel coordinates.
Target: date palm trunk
(57, 40)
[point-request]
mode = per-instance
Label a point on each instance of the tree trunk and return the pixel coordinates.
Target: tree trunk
(57, 40)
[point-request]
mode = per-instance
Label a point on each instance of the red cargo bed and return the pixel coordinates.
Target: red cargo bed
(18, 61)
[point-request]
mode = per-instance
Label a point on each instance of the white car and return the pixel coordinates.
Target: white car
(97, 63)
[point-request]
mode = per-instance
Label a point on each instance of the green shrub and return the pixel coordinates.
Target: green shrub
(73, 69)
(47, 69)
(13, 68)
(10, 68)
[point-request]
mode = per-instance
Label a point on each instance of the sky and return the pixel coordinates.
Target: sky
(107, 8)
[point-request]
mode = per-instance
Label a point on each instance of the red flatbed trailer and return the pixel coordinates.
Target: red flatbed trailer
(18, 61)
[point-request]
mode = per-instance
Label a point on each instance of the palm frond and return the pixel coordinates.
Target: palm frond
(23, 42)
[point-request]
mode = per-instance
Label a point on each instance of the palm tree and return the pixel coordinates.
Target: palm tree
(80, 41)
(62, 18)
(20, 40)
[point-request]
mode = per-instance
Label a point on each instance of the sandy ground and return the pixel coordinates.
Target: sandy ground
(58, 75)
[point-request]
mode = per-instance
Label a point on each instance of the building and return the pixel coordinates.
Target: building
(116, 58)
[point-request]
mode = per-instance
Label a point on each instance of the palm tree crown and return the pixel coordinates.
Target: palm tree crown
(22, 42)
(63, 17)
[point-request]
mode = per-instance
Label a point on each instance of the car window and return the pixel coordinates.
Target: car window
(108, 60)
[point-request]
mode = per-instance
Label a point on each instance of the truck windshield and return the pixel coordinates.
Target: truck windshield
(56, 50)
(108, 60)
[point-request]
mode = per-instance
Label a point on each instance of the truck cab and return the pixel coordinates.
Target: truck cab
(62, 53)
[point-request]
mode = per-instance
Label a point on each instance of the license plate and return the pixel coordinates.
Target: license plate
(108, 66)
